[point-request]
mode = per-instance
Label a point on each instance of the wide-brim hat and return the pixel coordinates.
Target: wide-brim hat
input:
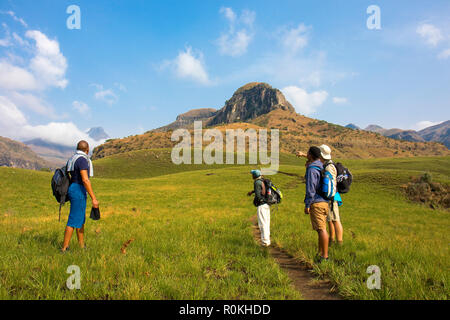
(325, 152)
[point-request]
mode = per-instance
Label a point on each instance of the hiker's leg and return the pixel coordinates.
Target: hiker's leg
(339, 230)
(67, 236)
(332, 231)
(323, 243)
(80, 236)
(264, 223)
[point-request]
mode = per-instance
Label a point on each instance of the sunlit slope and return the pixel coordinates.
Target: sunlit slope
(155, 162)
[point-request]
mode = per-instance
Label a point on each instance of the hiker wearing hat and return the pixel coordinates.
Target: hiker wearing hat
(263, 209)
(333, 218)
(80, 168)
(315, 205)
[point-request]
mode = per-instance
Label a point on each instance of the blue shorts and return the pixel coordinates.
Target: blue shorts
(77, 197)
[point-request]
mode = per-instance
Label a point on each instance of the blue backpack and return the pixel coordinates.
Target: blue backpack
(327, 189)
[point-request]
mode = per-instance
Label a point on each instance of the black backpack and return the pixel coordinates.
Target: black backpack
(273, 194)
(60, 186)
(344, 178)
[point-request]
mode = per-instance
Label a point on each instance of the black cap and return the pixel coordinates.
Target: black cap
(314, 152)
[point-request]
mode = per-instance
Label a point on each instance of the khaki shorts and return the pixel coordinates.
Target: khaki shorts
(318, 214)
(333, 214)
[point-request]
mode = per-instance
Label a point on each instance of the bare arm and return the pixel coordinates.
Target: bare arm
(88, 186)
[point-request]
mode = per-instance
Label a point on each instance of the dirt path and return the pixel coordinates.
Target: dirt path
(299, 272)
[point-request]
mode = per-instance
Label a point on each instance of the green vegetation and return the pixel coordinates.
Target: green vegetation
(192, 238)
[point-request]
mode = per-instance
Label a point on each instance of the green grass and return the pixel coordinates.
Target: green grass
(192, 236)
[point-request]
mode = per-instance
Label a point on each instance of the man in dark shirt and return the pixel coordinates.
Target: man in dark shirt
(263, 209)
(315, 205)
(80, 168)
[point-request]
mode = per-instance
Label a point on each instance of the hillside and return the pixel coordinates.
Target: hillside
(438, 133)
(17, 155)
(259, 106)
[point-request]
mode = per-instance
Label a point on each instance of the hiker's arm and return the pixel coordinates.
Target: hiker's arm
(250, 192)
(88, 186)
(311, 185)
(301, 154)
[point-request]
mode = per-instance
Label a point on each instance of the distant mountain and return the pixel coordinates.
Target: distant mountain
(353, 126)
(97, 133)
(375, 128)
(55, 153)
(187, 119)
(259, 106)
(438, 133)
(17, 155)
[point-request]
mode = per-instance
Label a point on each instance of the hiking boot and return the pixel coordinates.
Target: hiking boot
(64, 251)
(319, 259)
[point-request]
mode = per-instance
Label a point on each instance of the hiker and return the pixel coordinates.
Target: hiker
(263, 209)
(315, 205)
(80, 168)
(333, 218)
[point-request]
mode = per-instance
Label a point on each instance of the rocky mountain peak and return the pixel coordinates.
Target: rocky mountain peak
(250, 101)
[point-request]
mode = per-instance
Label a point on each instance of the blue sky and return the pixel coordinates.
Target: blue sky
(135, 65)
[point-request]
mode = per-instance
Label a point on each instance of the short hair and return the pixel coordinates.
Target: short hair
(314, 152)
(83, 145)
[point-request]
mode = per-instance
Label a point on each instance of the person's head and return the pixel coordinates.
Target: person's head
(255, 174)
(325, 152)
(313, 154)
(83, 146)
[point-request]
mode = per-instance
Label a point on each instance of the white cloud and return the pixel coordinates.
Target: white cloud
(49, 65)
(235, 41)
(11, 115)
(431, 34)
(16, 78)
(425, 124)
(304, 102)
(294, 39)
(340, 100)
(188, 65)
(107, 96)
(15, 18)
(32, 102)
(14, 124)
(81, 107)
(445, 54)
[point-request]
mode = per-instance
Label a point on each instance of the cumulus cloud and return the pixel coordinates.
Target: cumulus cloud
(16, 78)
(81, 107)
(32, 102)
(304, 102)
(339, 100)
(105, 95)
(49, 64)
(189, 65)
(234, 42)
(445, 54)
(294, 39)
(14, 124)
(431, 34)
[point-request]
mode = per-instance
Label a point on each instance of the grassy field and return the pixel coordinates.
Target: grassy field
(191, 236)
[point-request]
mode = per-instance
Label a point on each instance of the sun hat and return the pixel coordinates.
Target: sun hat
(255, 173)
(325, 152)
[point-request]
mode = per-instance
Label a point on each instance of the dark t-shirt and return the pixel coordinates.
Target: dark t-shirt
(80, 164)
